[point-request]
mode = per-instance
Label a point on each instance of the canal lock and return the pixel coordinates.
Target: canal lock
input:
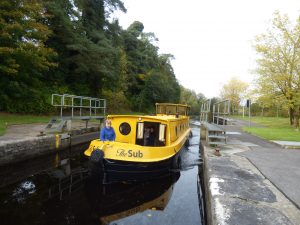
(59, 189)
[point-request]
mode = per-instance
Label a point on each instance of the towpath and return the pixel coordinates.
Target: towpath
(279, 165)
(21, 131)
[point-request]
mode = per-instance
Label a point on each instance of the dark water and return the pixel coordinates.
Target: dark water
(60, 190)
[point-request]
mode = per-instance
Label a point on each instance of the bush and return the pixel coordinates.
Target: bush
(116, 102)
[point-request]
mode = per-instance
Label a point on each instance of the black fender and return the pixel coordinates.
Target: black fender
(96, 162)
(97, 156)
(176, 161)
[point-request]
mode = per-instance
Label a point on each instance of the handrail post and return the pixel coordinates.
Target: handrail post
(80, 109)
(61, 105)
(218, 114)
(213, 112)
(72, 106)
(104, 110)
(90, 108)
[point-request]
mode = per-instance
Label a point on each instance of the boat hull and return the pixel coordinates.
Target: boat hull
(118, 171)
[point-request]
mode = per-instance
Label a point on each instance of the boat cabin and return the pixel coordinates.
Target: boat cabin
(169, 123)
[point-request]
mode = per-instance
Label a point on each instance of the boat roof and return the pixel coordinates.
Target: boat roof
(152, 117)
(173, 104)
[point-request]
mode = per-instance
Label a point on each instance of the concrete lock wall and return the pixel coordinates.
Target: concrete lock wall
(207, 195)
(236, 192)
(18, 150)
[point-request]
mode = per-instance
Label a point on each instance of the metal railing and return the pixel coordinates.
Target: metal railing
(79, 107)
(205, 110)
(220, 111)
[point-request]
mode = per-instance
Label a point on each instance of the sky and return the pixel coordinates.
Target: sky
(212, 41)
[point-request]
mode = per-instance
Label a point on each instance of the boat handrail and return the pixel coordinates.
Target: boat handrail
(172, 109)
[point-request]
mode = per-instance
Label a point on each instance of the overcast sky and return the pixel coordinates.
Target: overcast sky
(211, 40)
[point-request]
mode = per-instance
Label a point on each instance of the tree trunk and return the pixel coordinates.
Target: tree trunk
(296, 118)
(291, 114)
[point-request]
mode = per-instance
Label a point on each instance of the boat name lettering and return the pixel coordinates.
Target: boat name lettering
(129, 153)
(137, 154)
(121, 152)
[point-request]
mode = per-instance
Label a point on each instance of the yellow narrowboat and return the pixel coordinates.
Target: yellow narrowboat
(133, 153)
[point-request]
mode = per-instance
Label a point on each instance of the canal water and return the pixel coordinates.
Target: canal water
(60, 190)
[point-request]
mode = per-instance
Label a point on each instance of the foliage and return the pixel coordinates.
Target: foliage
(278, 65)
(150, 76)
(158, 88)
(116, 102)
(75, 47)
(234, 91)
(192, 99)
(24, 57)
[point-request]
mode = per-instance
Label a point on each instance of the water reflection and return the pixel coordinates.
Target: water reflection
(116, 201)
(10, 174)
(66, 195)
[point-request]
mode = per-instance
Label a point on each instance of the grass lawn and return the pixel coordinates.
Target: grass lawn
(273, 128)
(7, 119)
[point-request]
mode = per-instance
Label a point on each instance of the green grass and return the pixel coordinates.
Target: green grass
(7, 119)
(273, 128)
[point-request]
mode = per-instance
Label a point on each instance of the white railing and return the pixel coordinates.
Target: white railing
(205, 110)
(79, 107)
(221, 111)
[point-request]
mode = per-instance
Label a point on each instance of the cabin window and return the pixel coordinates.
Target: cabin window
(140, 131)
(150, 134)
(162, 132)
(125, 128)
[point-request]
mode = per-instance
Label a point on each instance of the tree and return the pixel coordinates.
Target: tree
(234, 91)
(83, 38)
(150, 76)
(75, 47)
(192, 99)
(279, 63)
(160, 85)
(24, 57)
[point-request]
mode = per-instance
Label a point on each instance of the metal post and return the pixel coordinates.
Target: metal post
(224, 113)
(61, 105)
(218, 114)
(214, 108)
(72, 106)
(90, 107)
(243, 111)
(204, 115)
(80, 109)
(249, 113)
(104, 101)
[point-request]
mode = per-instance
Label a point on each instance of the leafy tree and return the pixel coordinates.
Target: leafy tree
(24, 57)
(74, 46)
(88, 59)
(160, 86)
(234, 91)
(150, 76)
(192, 99)
(278, 65)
